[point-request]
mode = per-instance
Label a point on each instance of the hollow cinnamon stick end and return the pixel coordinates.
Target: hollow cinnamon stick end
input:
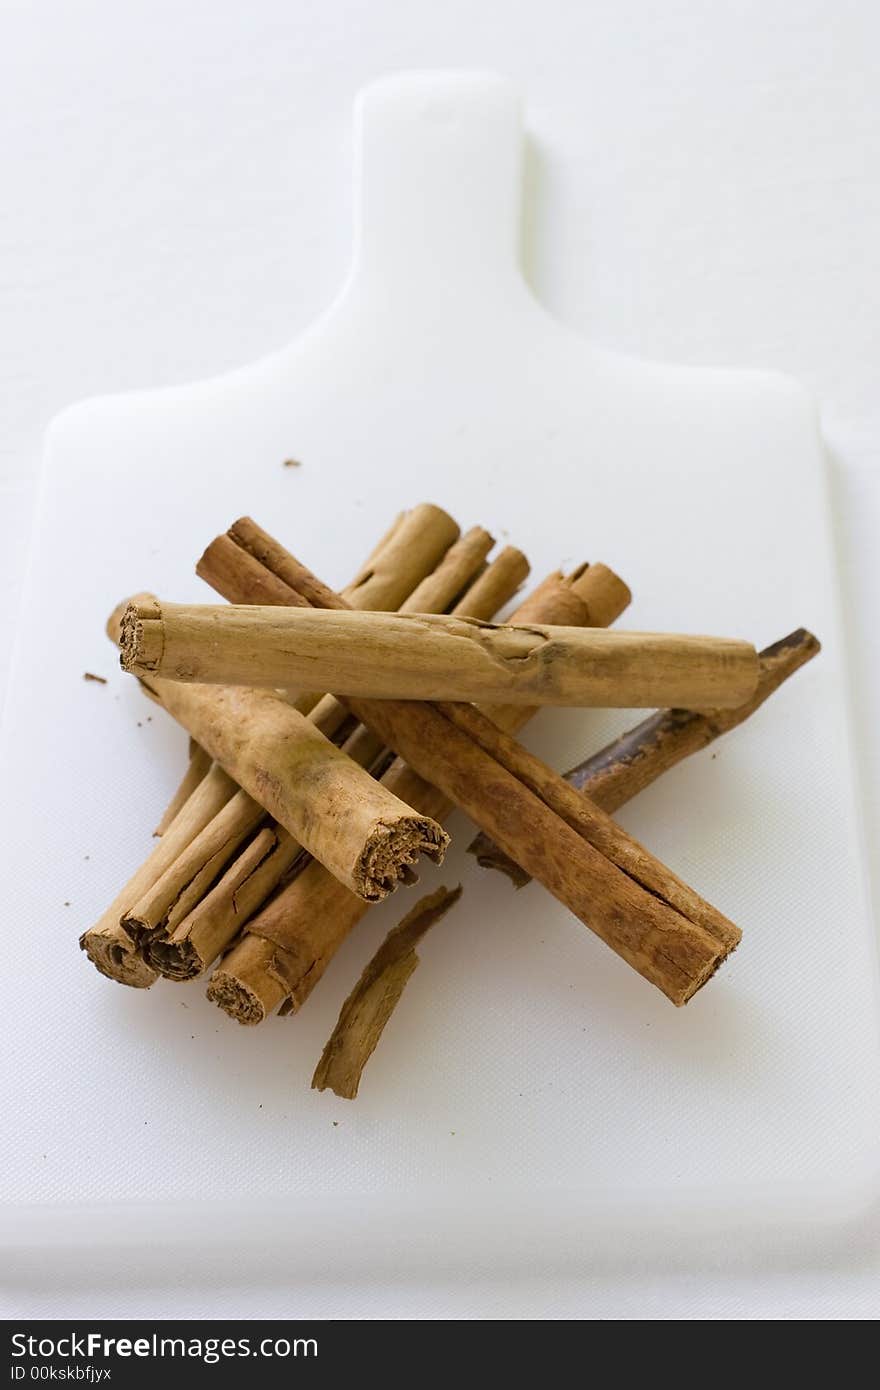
(117, 959)
(113, 625)
(682, 983)
(392, 850)
(252, 990)
(235, 999)
(141, 636)
(174, 960)
(604, 593)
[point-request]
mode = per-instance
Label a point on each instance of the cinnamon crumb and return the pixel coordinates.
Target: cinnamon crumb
(292, 463)
(90, 676)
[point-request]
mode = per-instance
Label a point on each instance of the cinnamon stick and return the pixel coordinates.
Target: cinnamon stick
(462, 562)
(409, 551)
(434, 594)
(424, 656)
(494, 586)
(185, 882)
(368, 1008)
(411, 548)
(363, 834)
(612, 884)
(184, 950)
(107, 944)
(289, 943)
(489, 592)
(181, 939)
(632, 762)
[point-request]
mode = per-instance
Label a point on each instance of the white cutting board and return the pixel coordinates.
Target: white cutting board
(533, 1102)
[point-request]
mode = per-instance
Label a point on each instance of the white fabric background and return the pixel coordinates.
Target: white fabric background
(702, 188)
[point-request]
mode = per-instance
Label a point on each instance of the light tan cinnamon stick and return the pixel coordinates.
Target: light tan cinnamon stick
(489, 592)
(185, 882)
(368, 1008)
(605, 878)
(436, 592)
(107, 944)
(248, 560)
(462, 562)
(411, 548)
(363, 834)
(282, 760)
(196, 769)
(425, 656)
(409, 551)
(185, 951)
(288, 945)
(181, 943)
(420, 542)
(632, 762)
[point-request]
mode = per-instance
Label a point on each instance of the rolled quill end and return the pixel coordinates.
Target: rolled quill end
(116, 958)
(246, 985)
(392, 850)
(141, 635)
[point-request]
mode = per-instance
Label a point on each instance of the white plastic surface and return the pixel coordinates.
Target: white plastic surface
(532, 1100)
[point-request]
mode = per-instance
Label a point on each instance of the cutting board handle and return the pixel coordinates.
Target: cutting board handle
(438, 184)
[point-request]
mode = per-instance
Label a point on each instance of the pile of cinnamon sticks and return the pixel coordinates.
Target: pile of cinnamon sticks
(301, 808)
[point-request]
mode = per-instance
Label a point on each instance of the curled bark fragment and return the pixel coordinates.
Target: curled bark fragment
(371, 1003)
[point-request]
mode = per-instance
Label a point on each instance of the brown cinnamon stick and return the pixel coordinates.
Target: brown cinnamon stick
(363, 834)
(185, 951)
(593, 868)
(434, 594)
(368, 1008)
(409, 551)
(489, 592)
(462, 562)
(289, 943)
(272, 751)
(431, 656)
(632, 762)
(185, 882)
(107, 945)
(410, 548)
(181, 943)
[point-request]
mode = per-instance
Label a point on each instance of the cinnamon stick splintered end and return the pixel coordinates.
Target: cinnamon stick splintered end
(235, 999)
(253, 989)
(117, 961)
(174, 960)
(141, 636)
(391, 851)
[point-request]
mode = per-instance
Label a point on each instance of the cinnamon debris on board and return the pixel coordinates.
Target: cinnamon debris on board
(333, 732)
